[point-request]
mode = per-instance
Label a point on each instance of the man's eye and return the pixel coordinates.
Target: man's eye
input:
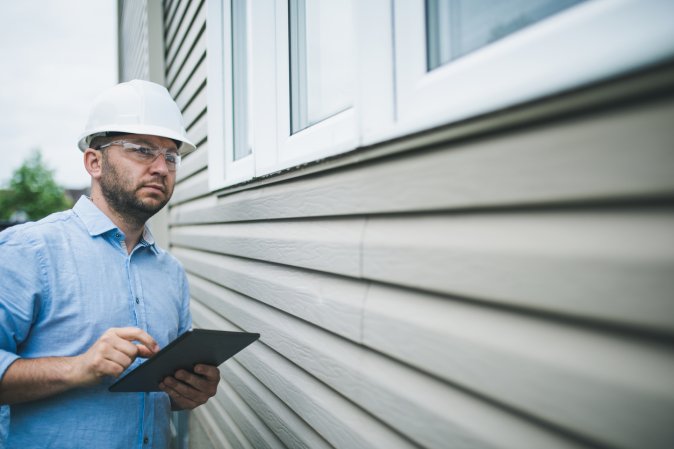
(144, 151)
(171, 158)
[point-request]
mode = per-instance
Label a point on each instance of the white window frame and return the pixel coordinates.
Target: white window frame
(572, 48)
(396, 94)
(223, 170)
(333, 135)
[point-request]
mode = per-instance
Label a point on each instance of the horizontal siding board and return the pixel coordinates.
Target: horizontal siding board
(209, 423)
(220, 419)
(613, 266)
(179, 28)
(275, 415)
(193, 187)
(330, 302)
(196, 133)
(180, 77)
(443, 415)
(618, 267)
(337, 420)
(585, 373)
(198, 203)
(599, 158)
(193, 76)
(295, 434)
(199, 438)
(193, 163)
(175, 16)
(195, 85)
(265, 406)
(323, 245)
(187, 46)
(245, 420)
(590, 382)
(196, 107)
(168, 8)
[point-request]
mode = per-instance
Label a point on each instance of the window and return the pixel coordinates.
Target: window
(316, 62)
(455, 28)
(240, 117)
(456, 59)
(230, 156)
(322, 60)
(294, 81)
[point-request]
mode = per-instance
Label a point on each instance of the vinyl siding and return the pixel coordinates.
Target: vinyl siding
(134, 62)
(486, 285)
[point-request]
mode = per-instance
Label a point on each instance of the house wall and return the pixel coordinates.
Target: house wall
(502, 282)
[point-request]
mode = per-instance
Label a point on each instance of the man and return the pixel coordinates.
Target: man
(85, 293)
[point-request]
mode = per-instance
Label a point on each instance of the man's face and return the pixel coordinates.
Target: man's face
(137, 190)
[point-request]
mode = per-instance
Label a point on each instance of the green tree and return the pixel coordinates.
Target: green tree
(33, 191)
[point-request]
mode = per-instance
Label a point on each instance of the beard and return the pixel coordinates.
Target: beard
(121, 194)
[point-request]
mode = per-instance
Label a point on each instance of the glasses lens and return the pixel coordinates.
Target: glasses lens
(147, 155)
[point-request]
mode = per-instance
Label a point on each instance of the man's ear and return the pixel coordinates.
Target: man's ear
(93, 162)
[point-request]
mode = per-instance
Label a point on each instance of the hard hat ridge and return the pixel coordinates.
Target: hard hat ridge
(136, 107)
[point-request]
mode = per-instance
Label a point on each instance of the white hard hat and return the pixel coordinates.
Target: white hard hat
(136, 107)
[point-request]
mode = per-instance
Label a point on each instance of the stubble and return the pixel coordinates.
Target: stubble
(121, 195)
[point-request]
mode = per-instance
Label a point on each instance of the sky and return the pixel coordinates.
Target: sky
(55, 57)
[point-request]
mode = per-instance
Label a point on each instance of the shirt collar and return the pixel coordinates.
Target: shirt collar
(148, 240)
(97, 223)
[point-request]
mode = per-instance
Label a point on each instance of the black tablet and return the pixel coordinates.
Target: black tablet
(209, 347)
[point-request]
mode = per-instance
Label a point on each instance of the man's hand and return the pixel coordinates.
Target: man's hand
(190, 390)
(112, 353)
(31, 379)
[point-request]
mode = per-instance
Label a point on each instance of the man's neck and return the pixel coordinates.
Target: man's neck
(132, 230)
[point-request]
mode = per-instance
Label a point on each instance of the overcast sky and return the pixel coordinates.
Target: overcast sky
(56, 56)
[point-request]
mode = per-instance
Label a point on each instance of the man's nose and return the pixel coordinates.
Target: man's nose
(159, 165)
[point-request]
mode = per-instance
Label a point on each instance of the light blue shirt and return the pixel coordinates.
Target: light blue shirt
(65, 280)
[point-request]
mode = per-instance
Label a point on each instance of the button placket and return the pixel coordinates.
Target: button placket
(137, 291)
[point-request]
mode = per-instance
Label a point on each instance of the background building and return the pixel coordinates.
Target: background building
(450, 221)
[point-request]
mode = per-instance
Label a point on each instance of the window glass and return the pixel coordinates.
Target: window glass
(455, 28)
(239, 80)
(322, 60)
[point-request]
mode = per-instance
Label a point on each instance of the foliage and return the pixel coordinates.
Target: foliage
(32, 192)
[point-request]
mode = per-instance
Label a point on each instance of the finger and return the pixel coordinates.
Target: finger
(130, 349)
(105, 350)
(210, 372)
(110, 368)
(178, 398)
(193, 380)
(133, 333)
(186, 390)
(143, 351)
(126, 347)
(198, 381)
(118, 358)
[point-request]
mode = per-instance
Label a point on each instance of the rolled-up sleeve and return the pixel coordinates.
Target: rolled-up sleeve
(20, 294)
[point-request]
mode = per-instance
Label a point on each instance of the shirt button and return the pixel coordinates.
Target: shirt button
(146, 440)
(137, 300)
